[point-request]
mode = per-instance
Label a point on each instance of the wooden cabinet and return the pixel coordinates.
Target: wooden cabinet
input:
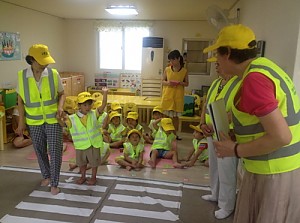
(151, 87)
(73, 82)
(196, 63)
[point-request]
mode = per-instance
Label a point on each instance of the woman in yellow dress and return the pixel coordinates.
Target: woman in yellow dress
(175, 78)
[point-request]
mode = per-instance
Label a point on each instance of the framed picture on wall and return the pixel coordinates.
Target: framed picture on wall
(10, 46)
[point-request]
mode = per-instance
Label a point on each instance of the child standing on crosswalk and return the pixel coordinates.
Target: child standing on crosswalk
(84, 128)
(133, 152)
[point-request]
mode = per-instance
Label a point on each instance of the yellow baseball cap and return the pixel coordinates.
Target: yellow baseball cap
(133, 115)
(83, 97)
(115, 106)
(41, 54)
(157, 108)
(233, 36)
(134, 131)
(212, 59)
(167, 124)
(97, 104)
(114, 114)
(196, 127)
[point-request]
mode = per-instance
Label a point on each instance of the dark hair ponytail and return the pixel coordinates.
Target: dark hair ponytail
(175, 54)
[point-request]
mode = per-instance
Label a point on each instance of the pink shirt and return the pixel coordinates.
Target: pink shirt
(257, 95)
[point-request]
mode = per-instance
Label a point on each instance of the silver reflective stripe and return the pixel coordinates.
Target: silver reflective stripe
(36, 117)
(211, 89)
(280, 153)
(230, 89)
(292, 118)
(27, 94)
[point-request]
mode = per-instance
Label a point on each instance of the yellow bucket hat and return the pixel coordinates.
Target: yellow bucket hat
(196, 127)
(83, 97)
(157, 108)
(233, 36)
(134, 131)
(41, 54)
(167, 124)
(114, 114)
(97, 104)
(133, 115)
(115, 106)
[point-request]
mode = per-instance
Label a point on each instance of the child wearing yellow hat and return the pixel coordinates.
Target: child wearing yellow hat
(84, 128)
(115, 135)
(162, 145)
(157, 113)
(199, 150)
(132, 122)
(133, 152)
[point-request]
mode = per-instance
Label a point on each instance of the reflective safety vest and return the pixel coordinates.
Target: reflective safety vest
(116, 132)
(133, 151)
(86, 136)
(153, 130)
(228, 92)
(162, 140)
(248, 128)
(40, 107)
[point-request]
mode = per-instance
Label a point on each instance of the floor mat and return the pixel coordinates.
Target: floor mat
(111, 200)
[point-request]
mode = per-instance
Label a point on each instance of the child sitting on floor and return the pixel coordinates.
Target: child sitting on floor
(133, 152)
(162, 145)
(199, 150)
(87, 138)
(115, 135)
(132, 122)
(156, 114)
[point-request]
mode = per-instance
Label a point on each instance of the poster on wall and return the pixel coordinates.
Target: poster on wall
(10, 46)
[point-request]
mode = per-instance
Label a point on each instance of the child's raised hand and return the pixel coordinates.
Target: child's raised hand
(104, 89)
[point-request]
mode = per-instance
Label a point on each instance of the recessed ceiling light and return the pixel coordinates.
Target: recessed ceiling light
(122, 10)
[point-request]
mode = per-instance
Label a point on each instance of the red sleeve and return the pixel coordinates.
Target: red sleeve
(258, 95)
(203, 146)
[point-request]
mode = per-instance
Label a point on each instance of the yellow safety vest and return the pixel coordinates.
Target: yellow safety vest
(248, 128)
(133, 151)
(228, 92)
(40, 107)
(116, 132)
(162, 140)
(86, 136)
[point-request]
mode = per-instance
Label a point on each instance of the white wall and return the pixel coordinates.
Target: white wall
(34, 28)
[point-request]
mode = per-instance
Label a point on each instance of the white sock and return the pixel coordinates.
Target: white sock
(221, 213)
(208, 197)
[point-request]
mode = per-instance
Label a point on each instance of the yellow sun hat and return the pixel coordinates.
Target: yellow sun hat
(134, 131)
(97, 104)
(114, 114)
(233, 36)
(158, 109)
(83, 97)
(167, 124)
(212, 59)
(133, 115)
(196, 127)
(41, 54)
(115, 106)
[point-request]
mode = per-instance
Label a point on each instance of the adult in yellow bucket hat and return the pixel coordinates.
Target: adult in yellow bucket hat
(40, 106)
(266, 128)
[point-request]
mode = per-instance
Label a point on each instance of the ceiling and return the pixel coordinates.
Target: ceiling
(187, 10)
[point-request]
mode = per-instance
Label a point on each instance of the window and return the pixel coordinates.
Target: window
(120, 47)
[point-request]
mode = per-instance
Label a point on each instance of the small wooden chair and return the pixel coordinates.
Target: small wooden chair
(128, 107)
(97, 96)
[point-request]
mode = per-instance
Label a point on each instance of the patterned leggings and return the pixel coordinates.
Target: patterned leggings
(43, 136)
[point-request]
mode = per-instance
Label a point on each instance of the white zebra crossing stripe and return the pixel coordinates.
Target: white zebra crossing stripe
(153, 190)
(83, 187)
(152, 182)
(67, 197)
(166, 215)
(105, 221)
(15, 219)
(58, 209)
(144, 200)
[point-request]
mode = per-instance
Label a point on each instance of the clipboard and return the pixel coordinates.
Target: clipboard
(218, 116)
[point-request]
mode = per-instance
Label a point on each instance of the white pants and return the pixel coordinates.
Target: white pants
(222, 173)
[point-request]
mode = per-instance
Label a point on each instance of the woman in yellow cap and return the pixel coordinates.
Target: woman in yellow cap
(40, 103)
(133, 151)
(266, 120)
